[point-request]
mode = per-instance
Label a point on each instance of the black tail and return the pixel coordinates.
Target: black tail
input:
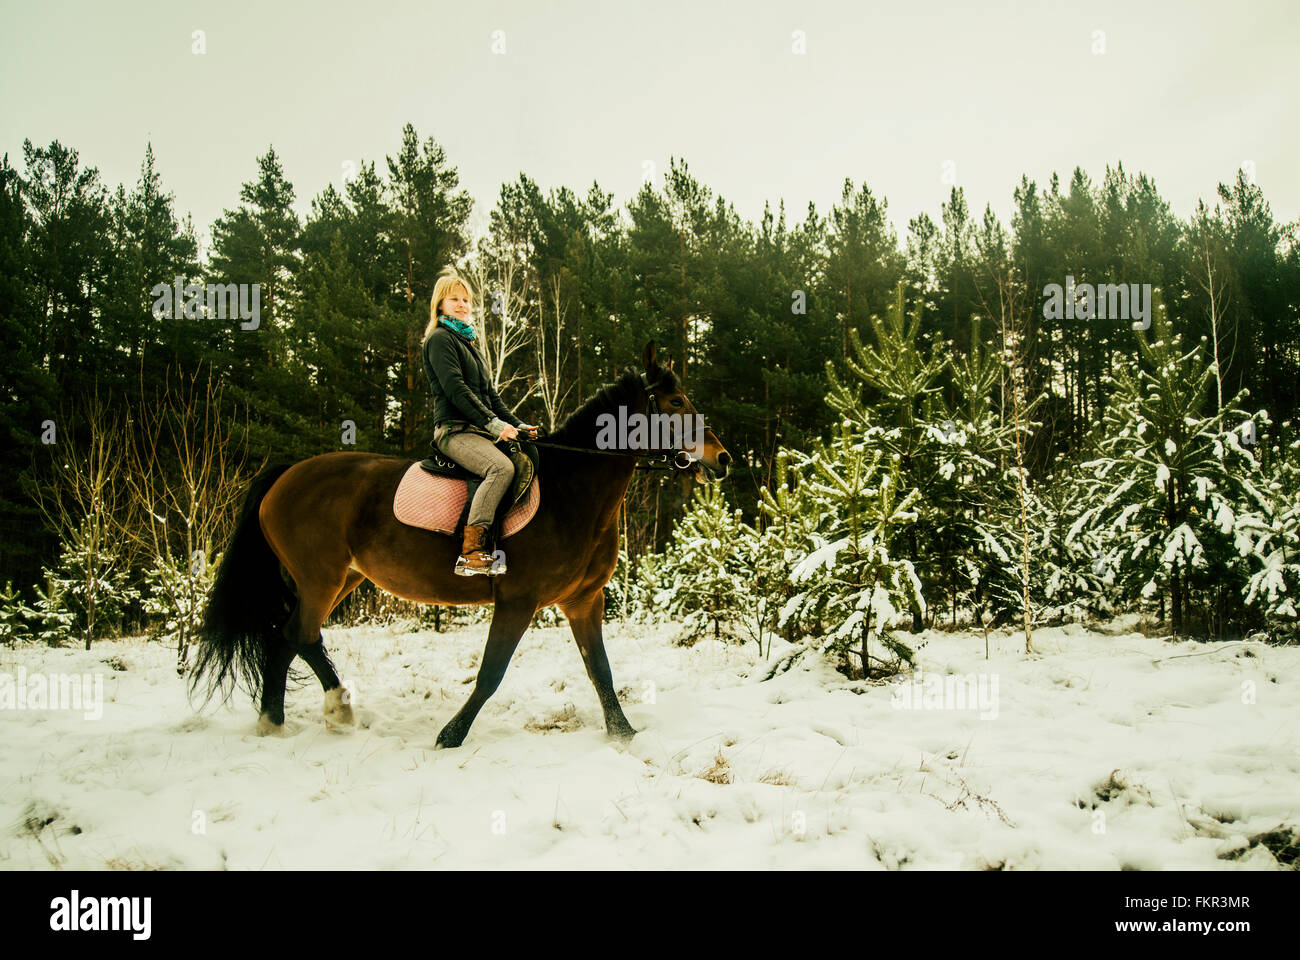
(249, 604)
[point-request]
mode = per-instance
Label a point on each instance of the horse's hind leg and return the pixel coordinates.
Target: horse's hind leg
(585, 618)
(275, 676)
(338, 703)
(301, 636)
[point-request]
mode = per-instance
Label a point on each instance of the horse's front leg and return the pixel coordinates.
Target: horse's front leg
(585, 618)
(510, 619)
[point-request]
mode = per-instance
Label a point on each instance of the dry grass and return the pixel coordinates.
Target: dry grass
(124, 863)
(965, 797)
(1283, 842)
(779, 777)
(718, 772)
(564, 720)
(41, 823)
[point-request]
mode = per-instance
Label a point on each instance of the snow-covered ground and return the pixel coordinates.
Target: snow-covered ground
(1105, 752)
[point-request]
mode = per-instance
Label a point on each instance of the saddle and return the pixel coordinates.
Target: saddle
(436, 493)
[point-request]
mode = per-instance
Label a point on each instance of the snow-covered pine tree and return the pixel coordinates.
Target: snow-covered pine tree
(13, 625)
(1169, 481)
(710, 585)
(903, 420)
(1071, 580)
(1275, 581)
(176, 592)
(790, 519)
(50, 617)
(850, 589)
(95, 583)
(630, 592)
(977, 505)
(644, 586)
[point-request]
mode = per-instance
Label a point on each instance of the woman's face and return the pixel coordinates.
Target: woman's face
(456, 304)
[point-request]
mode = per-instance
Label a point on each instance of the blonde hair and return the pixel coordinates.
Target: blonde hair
(447, 281)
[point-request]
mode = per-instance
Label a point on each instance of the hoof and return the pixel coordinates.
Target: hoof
(338, 708)
(448, 742)
(266, 727)
(623, 734)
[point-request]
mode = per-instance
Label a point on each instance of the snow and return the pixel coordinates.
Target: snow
(1183, 547)
(1105, 751)
(822, 556)
(1224, 516)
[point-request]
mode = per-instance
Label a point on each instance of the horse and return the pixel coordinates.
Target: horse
(310, 532)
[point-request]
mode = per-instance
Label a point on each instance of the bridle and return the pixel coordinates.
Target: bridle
(680, 460)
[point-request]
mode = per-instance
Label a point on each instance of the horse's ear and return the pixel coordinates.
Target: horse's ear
(670, 364)
(649, 360)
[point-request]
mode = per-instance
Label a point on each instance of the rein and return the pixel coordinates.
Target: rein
(681, 460)
(654, 461)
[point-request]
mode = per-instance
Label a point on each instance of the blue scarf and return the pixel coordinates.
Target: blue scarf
(460, 326)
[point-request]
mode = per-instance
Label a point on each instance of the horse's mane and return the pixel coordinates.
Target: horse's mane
(579, 429)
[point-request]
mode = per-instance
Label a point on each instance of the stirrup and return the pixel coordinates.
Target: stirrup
(463, 569)
(498, 566)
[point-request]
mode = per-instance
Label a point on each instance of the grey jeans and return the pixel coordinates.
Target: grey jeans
(474, 449)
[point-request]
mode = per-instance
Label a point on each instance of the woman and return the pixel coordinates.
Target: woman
(468, 415)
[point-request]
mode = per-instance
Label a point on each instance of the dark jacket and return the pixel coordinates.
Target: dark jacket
(459, 381)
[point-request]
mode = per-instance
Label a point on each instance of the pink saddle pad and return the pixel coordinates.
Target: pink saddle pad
(434, 503)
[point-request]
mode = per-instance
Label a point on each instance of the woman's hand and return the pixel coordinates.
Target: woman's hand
(510, 432)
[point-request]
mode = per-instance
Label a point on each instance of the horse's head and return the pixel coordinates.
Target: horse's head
(709, 458)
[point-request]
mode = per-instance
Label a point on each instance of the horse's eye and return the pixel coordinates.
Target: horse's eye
(677, 401)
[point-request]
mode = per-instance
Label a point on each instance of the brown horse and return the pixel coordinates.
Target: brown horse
(328, 523)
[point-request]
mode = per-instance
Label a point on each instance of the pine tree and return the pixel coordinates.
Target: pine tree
(1169, 483)
(13, 625)
(903, 419)
(51, 618)
(711, 588)
(1275, 581)
(976, 505)
(792, 518)
(94, 586)
(850, 589)
(258, 243)
(630, 593)
(31, 395)
(645, 584)
(1072, 579)
(148, 246)
(176, 592)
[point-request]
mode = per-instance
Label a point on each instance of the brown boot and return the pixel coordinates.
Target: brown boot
(473, 558)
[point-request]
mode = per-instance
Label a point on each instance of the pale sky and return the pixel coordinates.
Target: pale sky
(902, 95)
